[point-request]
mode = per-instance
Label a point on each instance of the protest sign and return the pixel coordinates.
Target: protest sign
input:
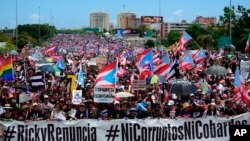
(104, 94)
(92, 62)
(200, 129)
(24, 98)
(77, 96)
(100, 61)
(245, 69)
(139, 85)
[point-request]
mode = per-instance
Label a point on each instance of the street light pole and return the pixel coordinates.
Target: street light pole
(230, 20)
(160, 23)
(16, 27)
(39, 28)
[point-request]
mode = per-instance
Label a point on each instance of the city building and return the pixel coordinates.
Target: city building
(180, 26)
(208, 21)
(126, 20)
(99, 20)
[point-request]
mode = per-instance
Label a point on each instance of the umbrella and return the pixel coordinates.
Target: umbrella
(155, 79)
(23, 87)
(182, 88)
(13, 52)
(47, 68)
(123, 94)
(216, 70)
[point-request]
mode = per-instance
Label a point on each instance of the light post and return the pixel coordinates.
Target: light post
(39, 28)
(230, 19)
(16, 27)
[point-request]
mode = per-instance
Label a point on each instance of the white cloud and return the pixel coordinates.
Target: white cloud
(178, 12)
(35, 18)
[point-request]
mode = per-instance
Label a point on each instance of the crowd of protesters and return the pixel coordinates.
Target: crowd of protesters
(53, 102)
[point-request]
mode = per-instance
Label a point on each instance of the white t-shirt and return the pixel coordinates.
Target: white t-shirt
(58, 115)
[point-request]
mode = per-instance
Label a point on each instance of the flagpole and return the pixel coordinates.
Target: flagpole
(25, 75)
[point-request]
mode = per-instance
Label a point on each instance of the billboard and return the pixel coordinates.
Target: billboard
(151, 19)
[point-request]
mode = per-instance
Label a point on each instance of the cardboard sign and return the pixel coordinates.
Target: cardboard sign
(92, 62)
(77, 96)
(104, 94)
(100, 61)
(139, 85)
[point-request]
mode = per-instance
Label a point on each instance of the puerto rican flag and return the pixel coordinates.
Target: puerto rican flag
(107, 75)
(239, 83)
(166, 59)
(185, 39)
(157, 58)
(51, 50)
(247, 44)
(199, 56)
(187, 62)
(162, 69)
(144, 62)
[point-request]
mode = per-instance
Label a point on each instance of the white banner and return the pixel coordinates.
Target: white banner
(104, 94)
(245, 69)
(201, 129)
(77, 96)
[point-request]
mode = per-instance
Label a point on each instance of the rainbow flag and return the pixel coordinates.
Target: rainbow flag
(6, 70)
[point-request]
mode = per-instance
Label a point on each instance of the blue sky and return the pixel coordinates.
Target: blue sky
(75, 13)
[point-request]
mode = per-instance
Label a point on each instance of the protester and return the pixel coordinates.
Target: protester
(51, 98)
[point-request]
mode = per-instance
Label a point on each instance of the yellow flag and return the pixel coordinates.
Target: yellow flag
(174, 46)
(72, 83)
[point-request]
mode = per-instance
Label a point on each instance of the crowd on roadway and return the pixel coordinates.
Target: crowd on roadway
(54, 101)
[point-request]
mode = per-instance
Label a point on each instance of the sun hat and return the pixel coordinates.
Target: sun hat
(25, 107)
(7, 106)
(35, 104)
(185, 105)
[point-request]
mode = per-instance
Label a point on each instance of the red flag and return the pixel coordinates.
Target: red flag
(165, 95)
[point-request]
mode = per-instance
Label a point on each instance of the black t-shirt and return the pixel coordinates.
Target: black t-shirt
(81, 114)
(36, 114)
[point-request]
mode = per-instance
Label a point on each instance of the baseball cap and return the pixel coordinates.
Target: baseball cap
(170, 102)
(191, 94)
(46, 96)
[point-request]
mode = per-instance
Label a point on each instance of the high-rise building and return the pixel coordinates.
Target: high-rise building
(126, 20)
(99, 20)
(208, 21)
(180, 26)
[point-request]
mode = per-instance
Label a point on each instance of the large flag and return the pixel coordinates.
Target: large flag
(162, 69)
(247, 44)
(239, 83)
(187, 62)
(199, 56)
(60, 64)
(145, 60)
(80, 78)
(51, 50)
(145, 63)
(6, 70)
(157, 58)
(184, 40)
(37, 80)
(107, 75)
(166, 59)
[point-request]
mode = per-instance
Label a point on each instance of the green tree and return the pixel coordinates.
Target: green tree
(172, 38)
(142, 29)
(24, 38)
(196, 30)
(150, 43)
(205, 41)
(9, 45)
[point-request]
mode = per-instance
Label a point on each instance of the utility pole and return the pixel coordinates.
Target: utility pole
(160, 23)
(39, 27)
(16, 27)
(230, 18)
